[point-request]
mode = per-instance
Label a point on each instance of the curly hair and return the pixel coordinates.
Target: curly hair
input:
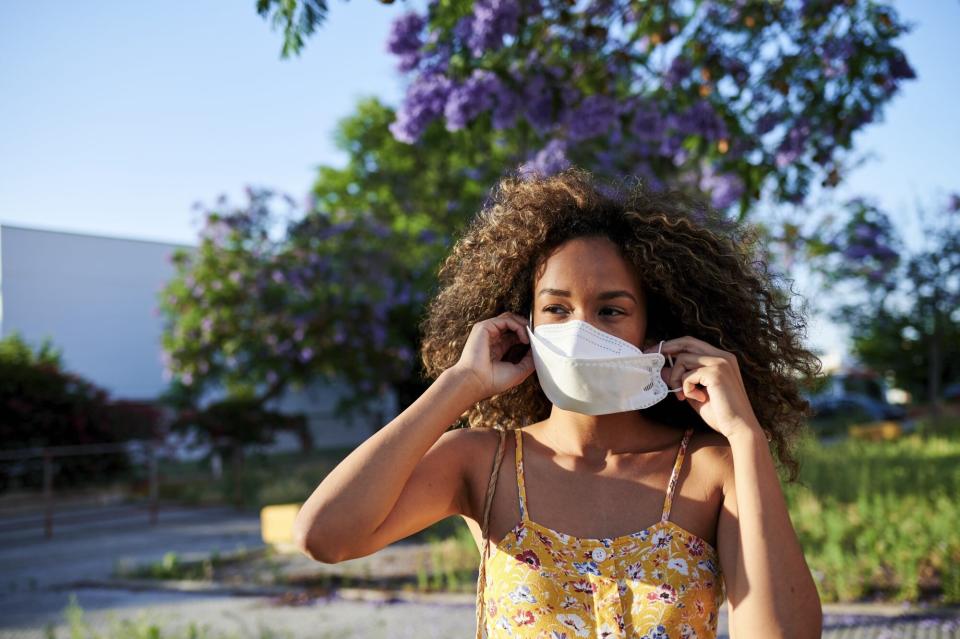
(699, 271)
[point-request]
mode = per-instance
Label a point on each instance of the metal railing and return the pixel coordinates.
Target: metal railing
(49, 453)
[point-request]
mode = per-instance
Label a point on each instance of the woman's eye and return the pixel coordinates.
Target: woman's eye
(604, 311)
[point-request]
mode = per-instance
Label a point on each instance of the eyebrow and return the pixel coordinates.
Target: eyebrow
(606, 295)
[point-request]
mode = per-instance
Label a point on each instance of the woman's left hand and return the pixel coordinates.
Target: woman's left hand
(711, 382)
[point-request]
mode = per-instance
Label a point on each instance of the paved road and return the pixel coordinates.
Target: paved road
(35, 578)
(91, 547)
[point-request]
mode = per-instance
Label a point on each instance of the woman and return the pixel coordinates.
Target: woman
(620, 512)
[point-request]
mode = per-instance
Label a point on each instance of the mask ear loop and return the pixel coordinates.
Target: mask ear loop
(671, 390)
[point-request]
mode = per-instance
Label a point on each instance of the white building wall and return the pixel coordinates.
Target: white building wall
(96, 298)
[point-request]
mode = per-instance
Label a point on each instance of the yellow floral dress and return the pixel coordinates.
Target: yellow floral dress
(662, 582)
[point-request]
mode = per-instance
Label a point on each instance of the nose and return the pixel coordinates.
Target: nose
(580, 315)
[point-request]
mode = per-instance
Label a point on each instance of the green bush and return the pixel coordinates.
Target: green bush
(43, 405)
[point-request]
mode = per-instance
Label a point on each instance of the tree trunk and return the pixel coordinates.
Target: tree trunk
(936, 359)
(238, 476)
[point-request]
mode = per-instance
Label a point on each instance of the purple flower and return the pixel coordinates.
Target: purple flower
(471, 98)
(856, 252)
(404, 39)
(865, 232)
(647, 123)
(900, 68)
(650, 179)
(724, 188)
(736, 69)
(506, 104)
(491, 21)
(703, 120)
(538, 101)
(425, 101)
(793, 144)
(379, 333)
(380, 230)
(335, 229)
(670, 145)
(548, 161)
(679, 71)
(427, 236)
(216, 230)
(594, 117)
(839, 49)
(767, 122)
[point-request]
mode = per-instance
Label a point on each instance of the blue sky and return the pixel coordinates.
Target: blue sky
(115, 117)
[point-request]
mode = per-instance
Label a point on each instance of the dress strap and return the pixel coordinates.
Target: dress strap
(484, 528)
(521, 485)
(675, 475)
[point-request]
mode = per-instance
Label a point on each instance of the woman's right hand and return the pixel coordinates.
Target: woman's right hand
(482, 359)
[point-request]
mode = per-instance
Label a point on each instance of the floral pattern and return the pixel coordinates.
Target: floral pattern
(662, 582)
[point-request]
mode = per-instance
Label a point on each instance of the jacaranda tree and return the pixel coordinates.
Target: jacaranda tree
(739, 98)
(336, 292)
(258, 308)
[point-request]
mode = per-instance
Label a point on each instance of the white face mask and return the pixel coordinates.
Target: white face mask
(586, 370)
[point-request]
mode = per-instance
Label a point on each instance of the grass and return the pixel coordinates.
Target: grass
(879, 520)
(173, 566)
(453, 561)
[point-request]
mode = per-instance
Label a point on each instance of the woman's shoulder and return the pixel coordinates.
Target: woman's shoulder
(476, 453)
(709, 442)
(710, 457)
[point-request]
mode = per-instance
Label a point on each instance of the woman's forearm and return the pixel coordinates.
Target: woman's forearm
(779, 597)
(345, 506)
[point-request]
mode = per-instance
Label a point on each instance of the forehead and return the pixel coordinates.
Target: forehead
(588, 262)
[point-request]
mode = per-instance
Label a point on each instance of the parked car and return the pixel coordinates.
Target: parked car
(951, 392)
(859, 416)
